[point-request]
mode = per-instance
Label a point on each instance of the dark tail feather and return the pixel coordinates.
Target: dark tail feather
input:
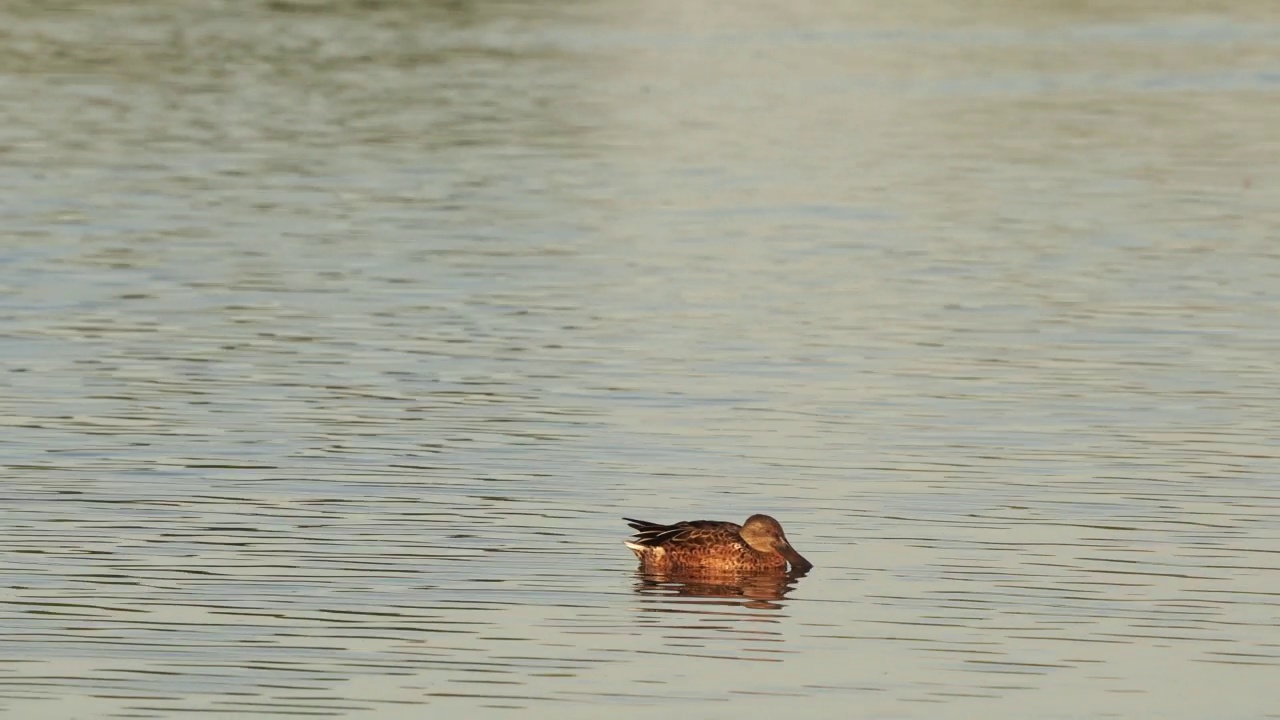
(642, 525)
(654, 534)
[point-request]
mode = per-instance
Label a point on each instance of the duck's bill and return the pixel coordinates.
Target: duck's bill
(796, 559)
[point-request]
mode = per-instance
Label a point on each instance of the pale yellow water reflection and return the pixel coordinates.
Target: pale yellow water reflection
(339, 336)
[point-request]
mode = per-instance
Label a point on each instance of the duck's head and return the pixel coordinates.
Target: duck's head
(764, 534)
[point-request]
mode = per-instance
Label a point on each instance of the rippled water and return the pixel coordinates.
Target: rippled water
(340, 336)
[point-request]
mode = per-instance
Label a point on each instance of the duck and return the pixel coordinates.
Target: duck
(758, 545)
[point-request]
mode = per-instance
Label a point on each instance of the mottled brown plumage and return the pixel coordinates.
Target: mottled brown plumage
(758, 545)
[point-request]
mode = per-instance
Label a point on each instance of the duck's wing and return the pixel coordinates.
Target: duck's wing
(689, 532)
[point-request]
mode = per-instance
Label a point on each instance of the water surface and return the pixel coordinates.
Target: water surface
(340, 336)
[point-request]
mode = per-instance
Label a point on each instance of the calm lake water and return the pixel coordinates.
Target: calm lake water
(340, 335)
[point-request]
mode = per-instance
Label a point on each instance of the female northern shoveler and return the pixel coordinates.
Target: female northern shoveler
(758, 545)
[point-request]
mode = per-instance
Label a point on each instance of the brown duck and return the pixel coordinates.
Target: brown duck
(712, 546)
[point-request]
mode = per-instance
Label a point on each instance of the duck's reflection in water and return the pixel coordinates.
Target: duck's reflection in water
(758, 590)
